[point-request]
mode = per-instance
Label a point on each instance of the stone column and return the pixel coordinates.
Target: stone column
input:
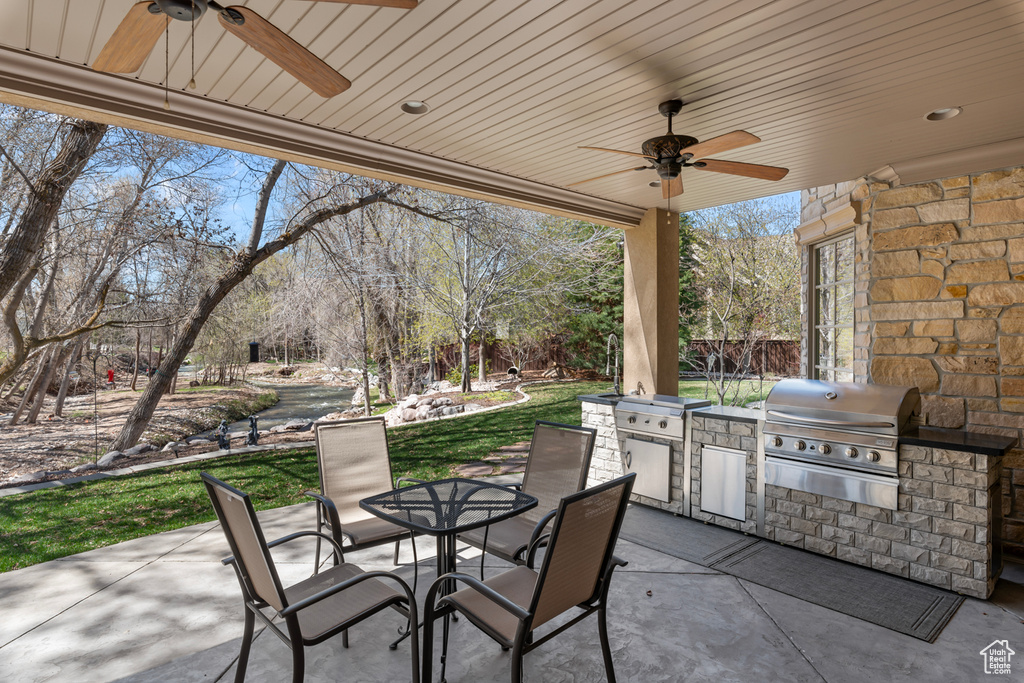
(651, 305)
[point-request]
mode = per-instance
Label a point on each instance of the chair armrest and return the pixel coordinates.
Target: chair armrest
(538, 538)
(398, 482)
(291, 537)
(338, 587)
(480, 587)
(332, 512)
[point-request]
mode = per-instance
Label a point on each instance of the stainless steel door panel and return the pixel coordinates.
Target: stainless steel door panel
(859, 487)
(723, 477)
(652, 463)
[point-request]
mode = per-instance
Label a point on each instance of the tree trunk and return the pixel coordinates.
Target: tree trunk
(76, 354)
(138, 351)
(20, 248)
(56, 357)
(481, 355)
(466, 383)
(31, 390)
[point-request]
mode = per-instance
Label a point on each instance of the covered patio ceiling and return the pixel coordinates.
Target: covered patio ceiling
(835, 90)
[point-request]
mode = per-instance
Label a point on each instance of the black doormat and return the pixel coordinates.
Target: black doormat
(892, 602)
(681, 537)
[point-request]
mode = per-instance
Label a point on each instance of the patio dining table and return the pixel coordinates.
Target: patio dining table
(446, 508)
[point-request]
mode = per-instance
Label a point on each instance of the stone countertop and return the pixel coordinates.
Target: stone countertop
(735, 413)
(608, 399)
(957, 440)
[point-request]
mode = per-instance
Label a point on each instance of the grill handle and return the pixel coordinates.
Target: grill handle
(831, 423)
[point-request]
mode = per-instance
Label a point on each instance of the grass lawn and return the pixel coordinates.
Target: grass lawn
(747, 390)
(57, 522)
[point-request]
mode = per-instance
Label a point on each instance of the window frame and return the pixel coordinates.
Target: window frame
(815, 369)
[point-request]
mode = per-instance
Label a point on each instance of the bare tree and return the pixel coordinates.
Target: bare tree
(749, 274)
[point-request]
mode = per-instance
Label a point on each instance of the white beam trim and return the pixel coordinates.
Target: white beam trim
(75, 90)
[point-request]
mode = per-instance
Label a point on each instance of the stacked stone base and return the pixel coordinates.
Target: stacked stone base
(941, 533)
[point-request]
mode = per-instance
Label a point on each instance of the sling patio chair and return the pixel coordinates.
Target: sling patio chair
(352, 456)
(557, 465)
(313, 610)
(575, 573)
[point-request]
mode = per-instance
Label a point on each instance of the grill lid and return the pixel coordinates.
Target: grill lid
(873, 408)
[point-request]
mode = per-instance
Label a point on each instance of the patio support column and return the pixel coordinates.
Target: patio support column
(651, 305)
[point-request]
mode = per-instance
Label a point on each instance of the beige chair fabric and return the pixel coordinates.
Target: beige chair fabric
(575, 573)
(557, 465)
(317, 608)
(353, 460)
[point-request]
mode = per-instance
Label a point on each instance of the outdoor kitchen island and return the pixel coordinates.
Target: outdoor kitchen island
(943, 530)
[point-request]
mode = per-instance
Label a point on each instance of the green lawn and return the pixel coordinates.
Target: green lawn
(52, 523)
(748, 390)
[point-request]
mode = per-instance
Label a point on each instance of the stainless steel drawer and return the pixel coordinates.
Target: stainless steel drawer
(859, 487)
(723, 480)
(652, 463)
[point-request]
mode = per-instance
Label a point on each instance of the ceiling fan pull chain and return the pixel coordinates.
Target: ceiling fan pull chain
(167, 65)
(192, 40)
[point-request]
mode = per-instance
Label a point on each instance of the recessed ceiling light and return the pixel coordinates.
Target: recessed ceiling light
(943, 114)
(415, 107)
(656, 183)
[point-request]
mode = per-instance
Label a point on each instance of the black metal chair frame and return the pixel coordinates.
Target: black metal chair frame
(524, 641)
(254, 605)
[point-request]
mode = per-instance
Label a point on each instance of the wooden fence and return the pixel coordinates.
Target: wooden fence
(777, 358)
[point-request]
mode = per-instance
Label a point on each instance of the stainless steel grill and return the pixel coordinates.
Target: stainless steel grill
(659, 417)
(837, 439)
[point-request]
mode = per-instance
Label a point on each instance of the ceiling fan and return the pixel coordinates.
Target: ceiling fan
(669, 154)
(135, 37)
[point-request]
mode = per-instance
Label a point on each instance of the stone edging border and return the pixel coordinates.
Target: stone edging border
(106, 474)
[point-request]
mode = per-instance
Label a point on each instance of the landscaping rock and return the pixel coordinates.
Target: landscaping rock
(409, 401)
(408, 414)
(109, 458)
(140, 448)
(297, 425)
(171, 446)
(425, 401)
(451, 410)
(30, 478)
(471, 407)
(197, 440)
(85, 468)
(442, 401)
(423, 412)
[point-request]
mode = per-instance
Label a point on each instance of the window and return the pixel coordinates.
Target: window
(832, 310)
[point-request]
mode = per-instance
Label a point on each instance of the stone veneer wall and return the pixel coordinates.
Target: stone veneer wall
(940, 302)
(940, 534)
(726, 433)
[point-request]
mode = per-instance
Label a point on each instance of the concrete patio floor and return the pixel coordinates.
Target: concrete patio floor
(163, 608)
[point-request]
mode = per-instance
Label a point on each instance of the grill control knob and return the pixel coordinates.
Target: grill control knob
(851, 452)
(777, 441)
(663, 424)
(632, 419)
(874, 456)
(800, 445)
(825, 449)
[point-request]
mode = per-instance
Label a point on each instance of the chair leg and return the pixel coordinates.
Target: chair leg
(344, 638)
(517, 663)
(316, 557)
(606, 650)
(298, 661)
(243, 654)
(396, 553)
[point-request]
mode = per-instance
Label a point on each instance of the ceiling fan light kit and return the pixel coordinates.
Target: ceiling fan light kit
(669, 154)
(137, 34)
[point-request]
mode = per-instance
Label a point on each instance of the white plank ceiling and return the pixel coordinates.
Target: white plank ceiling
(834, 89)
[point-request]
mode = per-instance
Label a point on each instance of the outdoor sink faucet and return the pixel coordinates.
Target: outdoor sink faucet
(608, 360)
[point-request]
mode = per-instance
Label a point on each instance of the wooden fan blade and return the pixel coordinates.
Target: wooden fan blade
(133, 40)
(399, 4)
(723, 143)
(671, 188)
(748, 170)
(606, 175)
(275, 45)
(617, 151)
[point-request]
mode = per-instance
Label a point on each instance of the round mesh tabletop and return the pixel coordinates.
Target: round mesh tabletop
(448, 506)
